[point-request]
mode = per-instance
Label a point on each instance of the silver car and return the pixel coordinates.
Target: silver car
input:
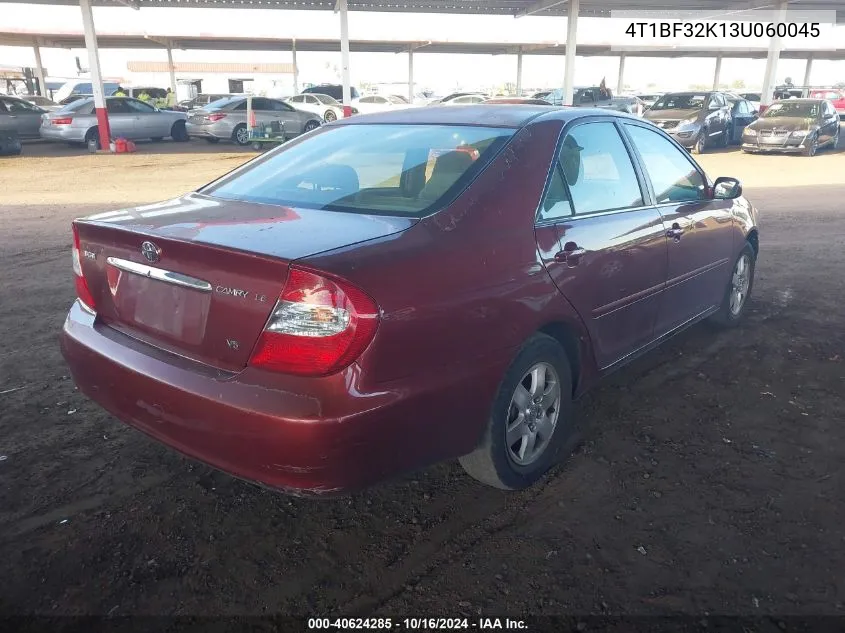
(226, 119)
(19, 118)
(128, 118)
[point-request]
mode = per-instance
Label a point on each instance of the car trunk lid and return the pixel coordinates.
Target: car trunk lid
(198, 276)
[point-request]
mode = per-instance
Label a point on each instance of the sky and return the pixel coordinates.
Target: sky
(439, 72)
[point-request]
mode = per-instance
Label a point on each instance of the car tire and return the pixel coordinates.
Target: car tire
(311, 125)
(179, 133)
(834, 144)
(330, 116)
(93, 135)
(240, 135)
(741, 281)
(700, 143)
(212, 140)
(813, 147)
(495, 461)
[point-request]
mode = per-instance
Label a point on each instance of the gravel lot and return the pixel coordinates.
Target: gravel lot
(710, 479)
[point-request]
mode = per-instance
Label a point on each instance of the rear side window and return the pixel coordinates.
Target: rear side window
(598, 169)
(673, 177)
(389, 169)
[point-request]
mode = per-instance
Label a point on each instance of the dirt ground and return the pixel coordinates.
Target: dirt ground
(710, 479)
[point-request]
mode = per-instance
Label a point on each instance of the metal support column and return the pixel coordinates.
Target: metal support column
(172, 70)
(807, 71)
(344, 57)
(569, 63)
(717, 72)
(411, 74)
(295, 68)
(620, 82)
(519, 72)
(96, 75)
(770, 76)
(39, 69)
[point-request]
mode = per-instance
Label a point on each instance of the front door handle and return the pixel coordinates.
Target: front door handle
(571, 254)
(675, 232)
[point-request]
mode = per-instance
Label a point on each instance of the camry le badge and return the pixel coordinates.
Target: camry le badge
(151, 252)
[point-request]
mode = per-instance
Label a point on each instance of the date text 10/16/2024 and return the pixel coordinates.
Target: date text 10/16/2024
(415, 624)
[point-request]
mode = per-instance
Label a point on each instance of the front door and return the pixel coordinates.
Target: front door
(288, 115)
(742, 115)
(148, 122)
(699, 229)
(23, 117)
(603, 245)
(122, 120)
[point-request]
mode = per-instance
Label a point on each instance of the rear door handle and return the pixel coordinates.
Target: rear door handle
(571, 254)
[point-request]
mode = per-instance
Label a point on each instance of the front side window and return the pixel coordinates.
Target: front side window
(139, 106)
(15, 106)
(673, 177)
(403, 170)
(598, 170)
(117, 106)
(298, 99)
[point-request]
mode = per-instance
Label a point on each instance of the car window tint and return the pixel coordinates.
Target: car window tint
(598, 169)
(20, 106)
(240, 106)
(139, 106)
(673, 177)
(556, 202)
(384, 169)
(3, 108)
(260, 103)
(117, 106)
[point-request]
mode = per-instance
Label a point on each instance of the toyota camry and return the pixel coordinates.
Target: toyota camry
(393, 290)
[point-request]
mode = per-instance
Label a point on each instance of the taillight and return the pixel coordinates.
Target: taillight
(82, 290)
(65, 120)
(318, 327)
(215, 117)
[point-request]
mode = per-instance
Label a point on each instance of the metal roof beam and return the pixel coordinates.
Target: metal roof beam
(538, 7)
(132, 4)
(160, 41)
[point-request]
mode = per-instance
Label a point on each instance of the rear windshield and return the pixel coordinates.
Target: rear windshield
(80, 106)
(405, 170)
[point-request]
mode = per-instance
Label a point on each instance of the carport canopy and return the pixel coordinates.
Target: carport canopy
(572, 9)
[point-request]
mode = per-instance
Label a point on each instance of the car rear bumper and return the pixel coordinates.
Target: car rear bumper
(64, 133)
(314, 436)
(208, 131)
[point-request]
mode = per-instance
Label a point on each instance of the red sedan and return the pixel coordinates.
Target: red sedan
(399, 289)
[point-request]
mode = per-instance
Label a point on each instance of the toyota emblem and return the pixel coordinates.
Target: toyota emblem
(150, 251)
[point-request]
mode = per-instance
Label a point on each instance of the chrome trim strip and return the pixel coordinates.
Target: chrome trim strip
(159, 274)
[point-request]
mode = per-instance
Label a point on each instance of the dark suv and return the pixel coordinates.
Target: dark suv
(697, 120)
(333, 90)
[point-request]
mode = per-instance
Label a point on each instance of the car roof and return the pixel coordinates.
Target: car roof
(504, 115)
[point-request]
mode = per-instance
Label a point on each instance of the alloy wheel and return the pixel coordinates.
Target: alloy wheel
(242, 136)
(330, 116)
(740, 283)
(533, 414)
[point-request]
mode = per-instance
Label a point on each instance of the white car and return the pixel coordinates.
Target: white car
(327, 107)
(379, 103)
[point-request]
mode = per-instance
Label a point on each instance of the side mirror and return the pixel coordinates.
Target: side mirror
(726, 188)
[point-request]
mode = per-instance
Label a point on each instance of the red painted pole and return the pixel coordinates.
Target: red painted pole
(96, 76)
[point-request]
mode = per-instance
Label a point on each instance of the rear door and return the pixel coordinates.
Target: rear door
(122, 120)
(830, 121)
(601, 241)
(23, 117)
(699, 229)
